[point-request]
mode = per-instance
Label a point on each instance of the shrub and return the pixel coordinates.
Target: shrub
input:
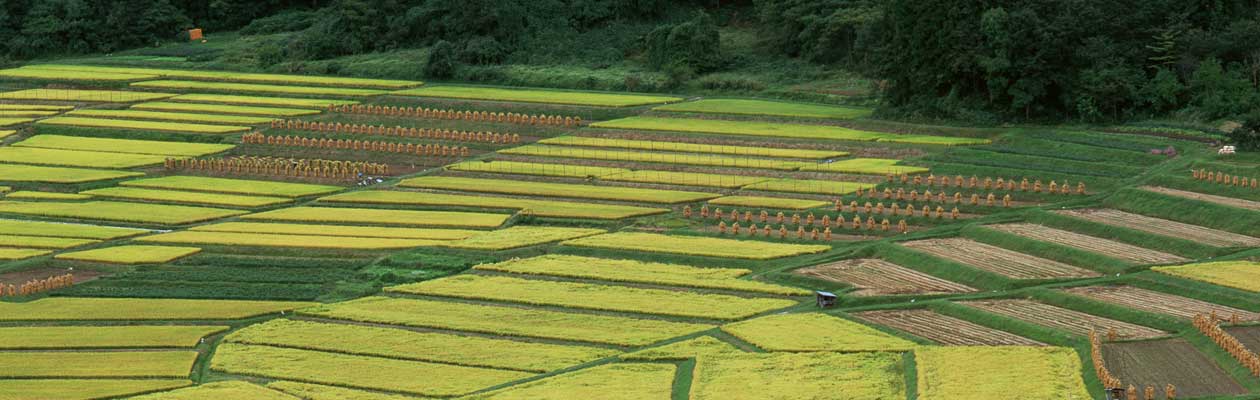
(442, 63)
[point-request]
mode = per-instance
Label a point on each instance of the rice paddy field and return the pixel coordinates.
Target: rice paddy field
(160, 243)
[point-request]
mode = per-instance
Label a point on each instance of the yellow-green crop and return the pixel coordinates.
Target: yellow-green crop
(713, 160)
(686, 178)
(768, 202)
(274, 112)
(772, 129)
(339, 230)
(80, 308)
(8, 254)
(129, 146)
(80, 389)
(691, 348)
(696, 245)
(60, 75)
(655, 145)
(43, 242)
(78, 95)
(130, 254)
(537, 96)
(34, 173)
(1244, 275)
(520, 236)
(993, 373)
(555, 189)
(72, 337)
(171, 116)
(594, 297)
(54, 229)
(382, 217)
(638, 272)
(866, 166)
(235, 186)
(310, 391)
(76, 158)
(810, 186)
(55, 196)
(541, 208)
(142, 125)
(161, 214)
(865, 376)
(233, 76)
(260, 100)
(634, 381)
(177, 196)
(237, 239)
(766, 108)
(219, 390)
(509, 321)
(814, 332)
(257, 88)
(113, 364)
(539, 169)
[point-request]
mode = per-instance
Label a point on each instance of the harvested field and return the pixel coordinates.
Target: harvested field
(1163, 227)
(1158, 302)
(1109, 248)
(943, 329)
(1210, 198)
(1175, 361)
(19, 277)
(1061, 318)
(997, 260)
(1248, 335)
(874, 277)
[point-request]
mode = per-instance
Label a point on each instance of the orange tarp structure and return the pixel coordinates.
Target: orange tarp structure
(194, 34)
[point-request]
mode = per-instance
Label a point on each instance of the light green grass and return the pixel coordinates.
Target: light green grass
(260, 100)
(234, 186)
(76, 158)
(274, 112)
(176, 196)
(713, 160)
(109, 309)
(696, 245)
(538, 169)
(768, 202)
(130, 254)
(810, 186)
(86, 96)
(143, 125)
(172, 116)
(128, 146)
(33, 173)
(119, 211)
(583, 141)
(339, 230)
(556, 189)
(257, 88)
(766, 108)
(537, 96)
(382, 217)
(542, 208)
(86, 337)
(686, 179)
(59, 75)
(232, 76)
(867, 166)
(781, 130)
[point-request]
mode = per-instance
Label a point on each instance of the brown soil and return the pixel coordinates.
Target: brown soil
(945, 330)
(1061, 318)
(1248, 335)
(998, 260)
(20, 277)
(874, 277)
(1163, 227)
(1109, 248)
(1175, 361)
(1158, 302)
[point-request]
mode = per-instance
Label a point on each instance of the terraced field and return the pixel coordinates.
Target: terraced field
(874, 277)
(1159, 302)
(1061, 318)
(944, 329)
(997, 260)
(1164, 227)
(1092, 244)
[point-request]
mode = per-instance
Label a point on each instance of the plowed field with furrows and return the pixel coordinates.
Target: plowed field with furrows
(1175, 361)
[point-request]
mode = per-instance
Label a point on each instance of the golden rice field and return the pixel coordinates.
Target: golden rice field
(538, 169)
(310, 391)
(768, 202)
(127, 146)
(34, 107)
(711, 160)
(233, 186)
(126, 337)
(260, 100)
(130, 254)
(686, 179)
(8, 254)
(634, 271)
(696, 245)
(36, 73)
(142, 125)
(520, 236)
(7, 133)
(54, 229)
(704, 346)
(42, 242)
(232, 76)
(382, 217)
(810, 186)
(1243, 275)
(508, 321)
(541, 208)
(358, 371)
(256, 88)
(536, 96)
(992, 373)
(34, 173)
(113, 364)
(285, 240)
(819, 375)
(866, 166)
(142, 213)
(778, 130)
(594, 297)
(172, 116)
(76, 158)
(85, 96)
(470, 351)
(338, 230)
(546, 189)
(274, 112)
(176, 196)
(14, 121)
(55, 196)
(803, 332)
(609, 382)
(26, 113)
(654, 145)
(219, 390)
(109, 309)
(78, 389)
(766, 108)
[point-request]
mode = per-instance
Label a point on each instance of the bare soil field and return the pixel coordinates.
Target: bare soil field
(1175, 361)
(1163, 227)
(1061, 318)
(20, 277)
(998, 260)
(1210, 198)
(1158, 302)
(875, 277)
(1109, 248)
(945, 330)
(1248, 335)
